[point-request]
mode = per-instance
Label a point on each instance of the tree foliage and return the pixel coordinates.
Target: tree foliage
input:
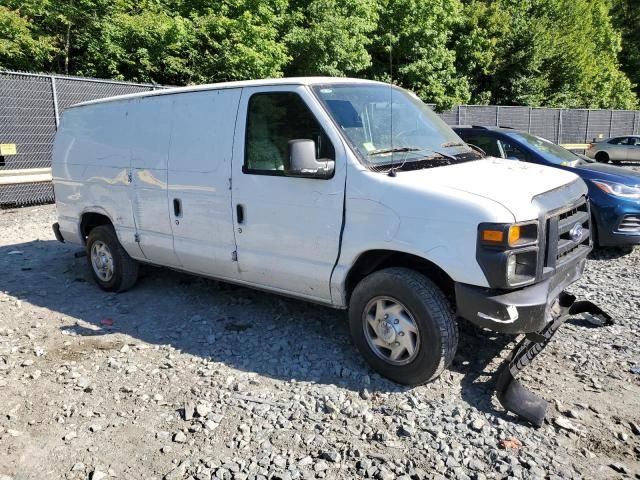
(411, 47)
(626, 17)
(567, 53)
(561, 53)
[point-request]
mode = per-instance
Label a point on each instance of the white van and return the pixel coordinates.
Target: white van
(345, 192)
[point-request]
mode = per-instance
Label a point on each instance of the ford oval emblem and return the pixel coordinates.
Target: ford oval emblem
(576, 232)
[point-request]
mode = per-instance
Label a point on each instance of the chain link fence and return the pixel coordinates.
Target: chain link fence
(30, 109)
(31, 105)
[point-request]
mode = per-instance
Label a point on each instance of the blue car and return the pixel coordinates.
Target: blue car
(614, 191)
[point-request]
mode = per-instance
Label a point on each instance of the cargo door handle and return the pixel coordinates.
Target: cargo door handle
(240, 213)
(177, 207)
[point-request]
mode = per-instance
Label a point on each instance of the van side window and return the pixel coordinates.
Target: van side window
(486, 143)
(512, 152)
(272, 120)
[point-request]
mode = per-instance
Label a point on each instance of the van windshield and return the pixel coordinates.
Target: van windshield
(388, 126)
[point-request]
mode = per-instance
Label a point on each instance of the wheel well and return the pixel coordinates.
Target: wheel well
(91, 220)
(375, 260)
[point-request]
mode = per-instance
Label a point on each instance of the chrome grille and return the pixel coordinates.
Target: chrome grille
(629, 224)
(568, 233)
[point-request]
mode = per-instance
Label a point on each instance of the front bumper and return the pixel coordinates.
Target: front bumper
(516, 311)
(608, 220)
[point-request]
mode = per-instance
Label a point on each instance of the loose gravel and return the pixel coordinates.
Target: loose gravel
(187, 378)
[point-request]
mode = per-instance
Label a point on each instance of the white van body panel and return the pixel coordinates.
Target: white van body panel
(150, 123)
(199, 179)
(415, 216)
(91, 171)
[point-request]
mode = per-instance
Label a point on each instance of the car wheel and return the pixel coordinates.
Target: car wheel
(602, 157)
(403, 326)
(111, 266)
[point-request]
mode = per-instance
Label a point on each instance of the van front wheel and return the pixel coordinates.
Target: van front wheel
(111, 266)
(401, 323)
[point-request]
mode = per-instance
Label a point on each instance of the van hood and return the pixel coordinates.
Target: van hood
(510, 183)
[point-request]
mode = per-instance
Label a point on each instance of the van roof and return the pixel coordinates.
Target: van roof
(236, 84)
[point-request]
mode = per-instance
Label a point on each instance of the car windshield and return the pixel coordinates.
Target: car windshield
(388, 126)
(550, 151)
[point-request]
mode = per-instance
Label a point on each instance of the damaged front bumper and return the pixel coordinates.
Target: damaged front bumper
(510, 392)
(538, 311)
(515, 311)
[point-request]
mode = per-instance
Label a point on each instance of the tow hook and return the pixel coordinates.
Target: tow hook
(512, 395)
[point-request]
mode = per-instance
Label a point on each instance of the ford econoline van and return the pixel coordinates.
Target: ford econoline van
(345, 192)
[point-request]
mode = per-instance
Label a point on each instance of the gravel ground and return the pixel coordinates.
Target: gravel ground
(188, 378)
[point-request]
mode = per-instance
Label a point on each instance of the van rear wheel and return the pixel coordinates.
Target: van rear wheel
(111, 266)
(402, 325)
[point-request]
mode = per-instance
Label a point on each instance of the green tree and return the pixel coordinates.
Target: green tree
(240, 40)
(412, 45)
(21, 48)
(626, 17)
(559, 53)
(148, 46)
(329, 37)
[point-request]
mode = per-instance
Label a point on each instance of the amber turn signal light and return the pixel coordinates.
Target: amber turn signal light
(514, 235)
(494, 236)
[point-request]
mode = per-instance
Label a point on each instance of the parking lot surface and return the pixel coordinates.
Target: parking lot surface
(184, 377)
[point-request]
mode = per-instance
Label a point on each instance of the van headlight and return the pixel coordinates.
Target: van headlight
(508, 253)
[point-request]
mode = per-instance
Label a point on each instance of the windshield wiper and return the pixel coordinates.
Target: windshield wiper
(452, 144)
(382, 151)
(441, 155)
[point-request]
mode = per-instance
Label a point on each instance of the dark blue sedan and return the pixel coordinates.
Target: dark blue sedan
(614, 191)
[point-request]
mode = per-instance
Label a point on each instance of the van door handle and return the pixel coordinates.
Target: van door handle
(177, 207)
(239, 213)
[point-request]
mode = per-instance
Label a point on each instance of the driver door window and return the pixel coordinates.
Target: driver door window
(511, 152)
(272, 120)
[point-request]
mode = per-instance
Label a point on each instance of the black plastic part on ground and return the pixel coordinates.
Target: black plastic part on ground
(513, 396)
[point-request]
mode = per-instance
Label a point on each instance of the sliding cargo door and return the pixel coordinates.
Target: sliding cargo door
(199, 180)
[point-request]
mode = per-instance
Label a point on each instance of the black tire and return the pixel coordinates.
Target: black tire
(431, 312)
(125, 269)
(602, 157)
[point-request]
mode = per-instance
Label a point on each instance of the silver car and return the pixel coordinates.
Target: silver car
(616, 149)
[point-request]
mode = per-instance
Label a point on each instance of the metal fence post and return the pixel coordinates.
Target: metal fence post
(586, 130)
(498, 116)
(610, 123)
(559, 136)
(529, 126)
(54, 93)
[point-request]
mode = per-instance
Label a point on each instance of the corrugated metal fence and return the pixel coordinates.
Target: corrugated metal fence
(563, 126)
(30, 108)
(31, 104)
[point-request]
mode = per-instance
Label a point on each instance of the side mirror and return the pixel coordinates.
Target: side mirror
(301, 161)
